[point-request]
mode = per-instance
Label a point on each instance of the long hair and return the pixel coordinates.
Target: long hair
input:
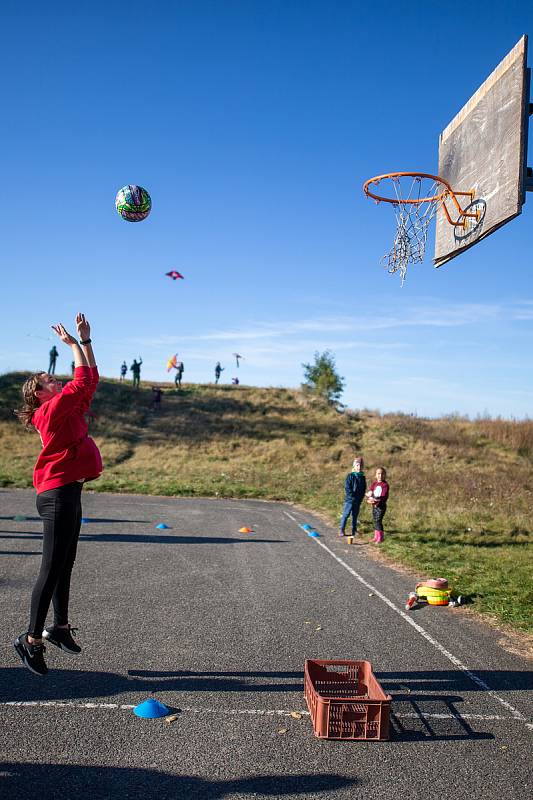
(31, 402)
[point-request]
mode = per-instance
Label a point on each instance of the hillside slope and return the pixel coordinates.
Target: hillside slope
(461, 491)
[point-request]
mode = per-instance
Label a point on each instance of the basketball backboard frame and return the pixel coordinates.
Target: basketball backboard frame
(484, 150)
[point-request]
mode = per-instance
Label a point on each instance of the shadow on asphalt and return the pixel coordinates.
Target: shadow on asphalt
(107, 782)
(145, 538)
(426, 718)
(417, 714)
(18, 684)
(87, 519)
(454, 681)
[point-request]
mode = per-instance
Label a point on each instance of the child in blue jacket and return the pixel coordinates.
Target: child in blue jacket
(354, 489)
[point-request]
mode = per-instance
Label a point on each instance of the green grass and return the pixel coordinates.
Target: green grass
(461, 490)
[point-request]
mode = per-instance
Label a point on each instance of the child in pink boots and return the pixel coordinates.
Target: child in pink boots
(377, 497)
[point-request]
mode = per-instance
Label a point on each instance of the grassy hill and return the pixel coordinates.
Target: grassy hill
(461, 490)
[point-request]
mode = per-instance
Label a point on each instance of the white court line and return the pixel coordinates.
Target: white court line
(473, 677)
(259, 712)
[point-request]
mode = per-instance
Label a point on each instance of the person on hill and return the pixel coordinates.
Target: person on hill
(377, 496)
(218, 371)
(136, 370)
(235, 381)
(123, 371)
(53, 358)
(72, 368)
(156, 399)
(179, 372)
(354, 492)
(69, 458)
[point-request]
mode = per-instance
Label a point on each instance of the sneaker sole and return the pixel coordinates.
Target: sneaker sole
(60, 645)
(22, 653)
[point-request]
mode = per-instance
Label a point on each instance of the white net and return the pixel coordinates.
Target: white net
(412, 220)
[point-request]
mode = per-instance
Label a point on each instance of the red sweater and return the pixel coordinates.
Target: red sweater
(69, 454)
(380, 491)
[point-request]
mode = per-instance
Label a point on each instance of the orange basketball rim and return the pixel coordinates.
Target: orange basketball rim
(440, 192)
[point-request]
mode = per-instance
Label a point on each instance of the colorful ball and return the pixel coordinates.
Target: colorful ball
(133, 203)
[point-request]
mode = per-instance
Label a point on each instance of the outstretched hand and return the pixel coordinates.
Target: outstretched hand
(83, 327)
(63, 334)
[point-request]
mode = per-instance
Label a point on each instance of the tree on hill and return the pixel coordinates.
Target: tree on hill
(322, 378)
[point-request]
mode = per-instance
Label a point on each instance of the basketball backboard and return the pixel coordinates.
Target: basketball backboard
(484, 150)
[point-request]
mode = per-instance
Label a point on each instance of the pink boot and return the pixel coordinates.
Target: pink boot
(381, 536)
(376, 536)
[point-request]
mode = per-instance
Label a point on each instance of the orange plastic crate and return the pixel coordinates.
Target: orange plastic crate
(345, 700)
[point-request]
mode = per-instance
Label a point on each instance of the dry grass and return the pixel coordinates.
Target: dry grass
(461, 490)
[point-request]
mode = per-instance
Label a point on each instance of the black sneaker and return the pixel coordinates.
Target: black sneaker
(62, 638)
(32, 655)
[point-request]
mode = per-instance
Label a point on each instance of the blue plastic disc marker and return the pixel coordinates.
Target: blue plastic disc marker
(151, 709)
(314, 534)
(162, 526)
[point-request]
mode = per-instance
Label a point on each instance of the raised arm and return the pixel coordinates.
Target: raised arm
(84, 333)
(77, 354)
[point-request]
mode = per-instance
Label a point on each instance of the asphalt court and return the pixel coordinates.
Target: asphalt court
(217, 625)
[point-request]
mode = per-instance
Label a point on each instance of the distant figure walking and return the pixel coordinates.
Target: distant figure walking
(377, 496)
(354, 491)
(123, 371)
(235, 381)
(156, 400)
(72, 368)
(53, 358)
(218, 370)
(179, 372)
(136, 370)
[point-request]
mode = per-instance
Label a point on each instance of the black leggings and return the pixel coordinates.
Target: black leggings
(60, 510)
(378, 512)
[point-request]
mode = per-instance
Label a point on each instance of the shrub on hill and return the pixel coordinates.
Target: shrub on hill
(322, 378)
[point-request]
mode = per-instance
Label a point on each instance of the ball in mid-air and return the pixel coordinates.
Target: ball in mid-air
(133, 203)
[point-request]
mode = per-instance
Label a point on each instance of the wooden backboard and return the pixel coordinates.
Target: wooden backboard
(484, 149)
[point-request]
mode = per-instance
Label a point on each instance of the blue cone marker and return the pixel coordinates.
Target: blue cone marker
(151, 709)
(314, 534)
(162, 526)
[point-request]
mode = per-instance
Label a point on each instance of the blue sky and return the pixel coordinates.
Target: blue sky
(253, 125)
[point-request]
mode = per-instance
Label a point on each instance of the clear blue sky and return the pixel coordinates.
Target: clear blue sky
(253, 124)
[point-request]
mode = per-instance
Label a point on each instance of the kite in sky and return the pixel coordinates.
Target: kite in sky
(237, 356)
(172, 362)
(44, 338)
(174, 275)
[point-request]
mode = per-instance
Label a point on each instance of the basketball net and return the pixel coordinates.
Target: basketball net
(417, 202)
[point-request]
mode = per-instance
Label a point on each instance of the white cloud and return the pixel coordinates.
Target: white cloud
(424, 316)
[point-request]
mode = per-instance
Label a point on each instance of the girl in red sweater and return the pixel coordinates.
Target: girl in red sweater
(377, 496)
(69, 458)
